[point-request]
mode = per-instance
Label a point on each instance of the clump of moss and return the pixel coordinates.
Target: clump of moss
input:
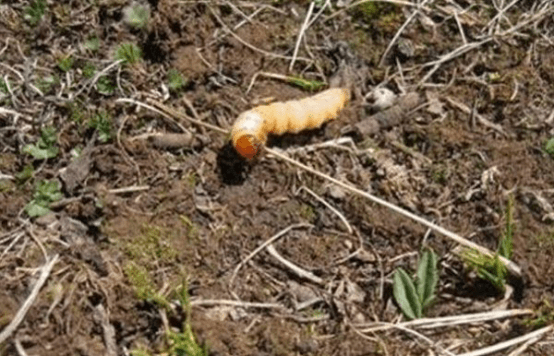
(381, 17)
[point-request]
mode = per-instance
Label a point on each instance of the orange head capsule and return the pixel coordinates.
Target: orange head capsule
(246, 146)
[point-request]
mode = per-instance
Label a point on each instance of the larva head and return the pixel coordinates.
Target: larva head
(248, 134)
(246, 146)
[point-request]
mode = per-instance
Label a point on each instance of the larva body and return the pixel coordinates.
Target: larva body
(251, 128)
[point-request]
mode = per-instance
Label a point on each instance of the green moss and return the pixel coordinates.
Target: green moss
(307, 212)
(143, 284)
(153, 244)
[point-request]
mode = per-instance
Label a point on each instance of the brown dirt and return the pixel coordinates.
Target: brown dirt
(191, 215)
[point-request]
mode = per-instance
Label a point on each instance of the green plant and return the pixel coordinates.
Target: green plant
(414, 297)
(4, 86)
(307, 212)
(46, 83)
(93, 44)
(176, 81)
(305, 84)
(89, 70)
(45, 193)
(102, 122)
(143, 285)
(549, 147)
(137, 16)
(25, 174)
(45, 147)
(543, 316)
(105, 86)
(34, 12)
(76, 112)
(184, 343)
(66, 63)
(490, 268)
(128, 53)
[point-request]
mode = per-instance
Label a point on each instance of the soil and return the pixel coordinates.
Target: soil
(148, 236)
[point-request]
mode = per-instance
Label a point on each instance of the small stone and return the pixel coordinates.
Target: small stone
(307, 346)
(46, 220)
(336, 192)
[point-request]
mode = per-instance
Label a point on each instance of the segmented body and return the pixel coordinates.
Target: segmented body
(252, 127)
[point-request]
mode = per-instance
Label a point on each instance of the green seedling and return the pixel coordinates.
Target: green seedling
(137, 16)
(45, 147)
(175, 80)
(414, 297)
(549, 147)
(25, 174)
(102, 122)
(185, 343)
(4, 86)
(77, 112)
(128, 53)
(92, 44)
(66, 63)
(89, 70)
(46, 83)
(45, 193)
(34, 13)
(105, 86)
(543, 316)
(490, 268)
(144, 286)
(305, 84)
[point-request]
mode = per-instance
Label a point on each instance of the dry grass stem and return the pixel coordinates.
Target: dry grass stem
(129, 189)
(400, 30)
(294, 268)
(253, 48)
(303, 29)
(14, 324)
(503, 345)
(511, 266)
(265, 244)
(436, 322)
(256, 305)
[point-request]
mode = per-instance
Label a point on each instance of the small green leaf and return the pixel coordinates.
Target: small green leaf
(427, 277)
(128, 53)
(175, 80)
(40, 154)
(66, 63)
(89, 70)
(105, 86)
(549, 147)
(25, 174)
(47, 191)
(34, 209)
(137, 16)
(44, 148)
(309, 85)
(93, 44)
(405, 294)
(33, 13)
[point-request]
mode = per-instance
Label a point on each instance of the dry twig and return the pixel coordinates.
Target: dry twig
(294, 268)
(45, 272)
(511, 266)
(265, 244)
(514, 341)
